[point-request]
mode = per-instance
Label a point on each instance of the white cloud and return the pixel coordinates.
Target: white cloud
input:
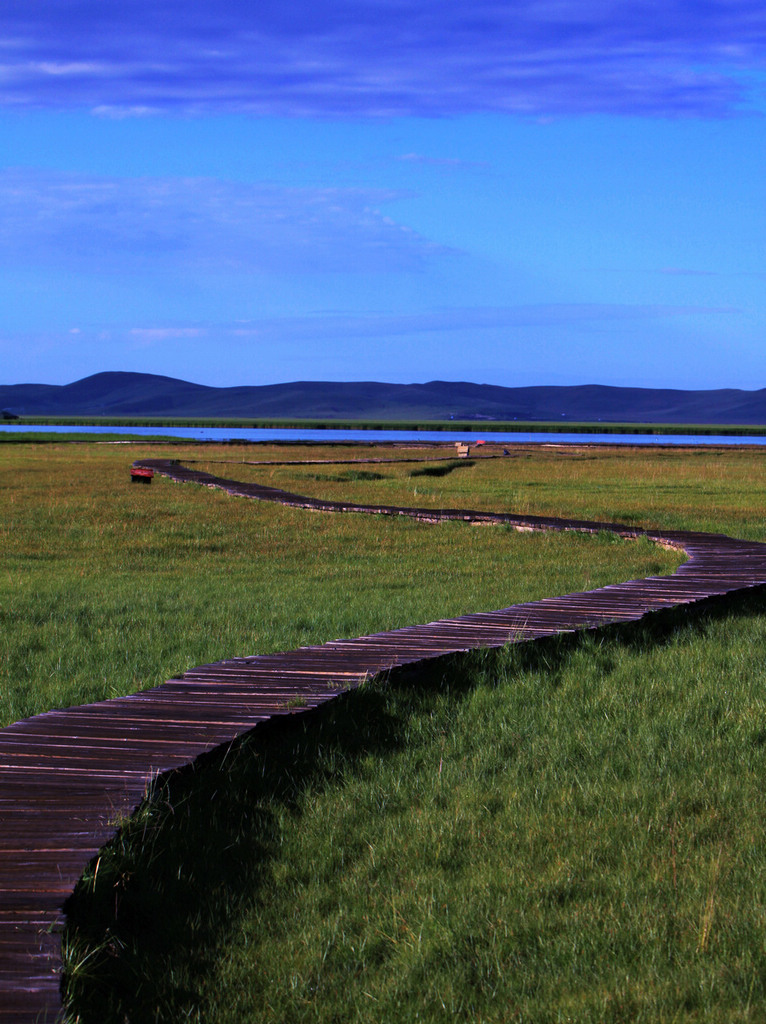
(383, 58)
(152, 334)
(338, 325)
(103, 225)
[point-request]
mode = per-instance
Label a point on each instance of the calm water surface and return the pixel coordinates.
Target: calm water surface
(299, 434)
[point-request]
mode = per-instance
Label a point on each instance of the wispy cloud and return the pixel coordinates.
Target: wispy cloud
(382, 58)
(477, 319)
(335, 326)
(447, 162)
(134, 225)
(150, 335)
(685, 272)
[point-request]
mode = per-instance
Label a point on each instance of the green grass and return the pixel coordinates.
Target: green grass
(566, 831)
(570, 830)
(71, 437)
(591, 860)
(713, 490)
(108, 587)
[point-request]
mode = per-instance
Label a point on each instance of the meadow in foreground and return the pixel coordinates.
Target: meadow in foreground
(567, 830)
(570, 830)
(108, 587)
(701, 488)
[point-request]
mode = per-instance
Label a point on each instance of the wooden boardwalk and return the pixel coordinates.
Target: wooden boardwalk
(67, 776)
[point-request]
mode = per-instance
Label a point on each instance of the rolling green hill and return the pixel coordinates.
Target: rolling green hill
(141, 394)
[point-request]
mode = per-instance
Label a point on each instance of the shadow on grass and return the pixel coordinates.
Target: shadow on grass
(350, 476)
(152, 911)
(444, 470)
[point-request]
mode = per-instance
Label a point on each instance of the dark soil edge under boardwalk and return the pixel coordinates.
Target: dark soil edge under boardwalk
(68, 776)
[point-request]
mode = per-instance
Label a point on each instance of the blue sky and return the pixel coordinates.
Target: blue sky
(532, 192)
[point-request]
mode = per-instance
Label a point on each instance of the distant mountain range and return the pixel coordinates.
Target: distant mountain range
(144, 394)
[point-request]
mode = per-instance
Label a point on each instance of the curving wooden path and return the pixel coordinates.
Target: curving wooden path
(67, 776)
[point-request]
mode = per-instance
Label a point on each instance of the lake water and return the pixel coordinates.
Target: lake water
(299, 434)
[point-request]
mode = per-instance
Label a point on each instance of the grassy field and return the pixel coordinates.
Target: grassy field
(570, 830)
(108, 587)
(712, 489)
(73, 436)
(570, 833)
